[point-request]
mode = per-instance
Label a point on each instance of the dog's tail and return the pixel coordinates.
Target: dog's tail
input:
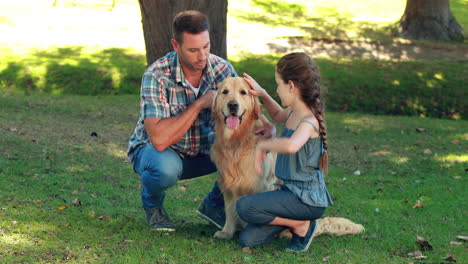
(337, 226)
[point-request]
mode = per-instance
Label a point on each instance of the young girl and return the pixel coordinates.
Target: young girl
(301, 162)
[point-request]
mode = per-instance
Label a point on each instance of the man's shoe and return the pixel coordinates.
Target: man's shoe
(301, 244)
(157, 219)
(214, 215)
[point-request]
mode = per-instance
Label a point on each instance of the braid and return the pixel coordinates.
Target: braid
(317, 109)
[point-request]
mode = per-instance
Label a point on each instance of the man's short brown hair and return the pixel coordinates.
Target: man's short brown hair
(190, 21)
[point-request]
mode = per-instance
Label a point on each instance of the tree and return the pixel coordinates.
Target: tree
(157, 16)
(429, 20)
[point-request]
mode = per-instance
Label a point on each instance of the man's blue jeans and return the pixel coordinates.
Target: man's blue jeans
(161, 170)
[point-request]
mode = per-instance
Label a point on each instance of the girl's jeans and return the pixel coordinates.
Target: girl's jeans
(162, 170)
(258, 210)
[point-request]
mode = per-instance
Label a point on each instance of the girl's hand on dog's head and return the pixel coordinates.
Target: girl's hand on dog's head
(255, 88)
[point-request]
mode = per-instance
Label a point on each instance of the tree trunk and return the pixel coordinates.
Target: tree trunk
(429, 20)
(157, 16)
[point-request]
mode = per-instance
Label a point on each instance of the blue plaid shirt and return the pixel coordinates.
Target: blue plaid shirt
(165, 93)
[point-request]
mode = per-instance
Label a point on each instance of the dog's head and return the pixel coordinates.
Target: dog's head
(233, 104)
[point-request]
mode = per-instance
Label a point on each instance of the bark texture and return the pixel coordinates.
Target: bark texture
(429, 20)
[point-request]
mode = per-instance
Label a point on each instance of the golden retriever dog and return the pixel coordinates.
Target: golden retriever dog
(237, 116)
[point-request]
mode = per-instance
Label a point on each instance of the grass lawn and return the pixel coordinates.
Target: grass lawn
(69, 196)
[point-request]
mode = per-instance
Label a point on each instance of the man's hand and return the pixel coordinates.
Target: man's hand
(206, 101)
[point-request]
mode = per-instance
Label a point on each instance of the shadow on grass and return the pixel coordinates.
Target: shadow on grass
(333, 33)
(326, 22)
(73, 70)
(421, 88)
(426, 89)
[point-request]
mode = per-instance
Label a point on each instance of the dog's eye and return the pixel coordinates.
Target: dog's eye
(225, 92)
(243, 92)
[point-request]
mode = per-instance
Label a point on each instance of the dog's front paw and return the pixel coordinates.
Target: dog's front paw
(223, 235)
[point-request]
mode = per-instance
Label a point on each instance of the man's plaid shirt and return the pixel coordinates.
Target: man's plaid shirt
(165, 93)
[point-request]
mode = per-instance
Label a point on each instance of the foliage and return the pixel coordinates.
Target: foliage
(73, 70)
(421, 88)
(69, 196)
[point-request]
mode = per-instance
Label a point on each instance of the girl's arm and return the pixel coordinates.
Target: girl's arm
(276, 112)
(284, 145)
(289, 145)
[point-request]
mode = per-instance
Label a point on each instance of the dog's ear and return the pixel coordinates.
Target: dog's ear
(214, 105)
(256, 107)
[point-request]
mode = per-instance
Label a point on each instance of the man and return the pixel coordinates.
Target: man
(174, 132)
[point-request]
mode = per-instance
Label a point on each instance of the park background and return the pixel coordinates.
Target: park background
(69, 82)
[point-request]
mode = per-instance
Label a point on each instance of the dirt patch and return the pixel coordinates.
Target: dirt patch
(371, 50)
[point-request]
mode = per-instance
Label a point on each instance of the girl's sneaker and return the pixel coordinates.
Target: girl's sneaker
(301, 244)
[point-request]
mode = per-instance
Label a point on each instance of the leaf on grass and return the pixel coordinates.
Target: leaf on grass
(37, 201)
(109, 178)
(423, 243)
(104, 217)
(13, 223)
(129, 217)
(247, 250)
(62, 207)
(325, 259)
(420, 129)
(13, 129)
(450, 259)
(420, 142)
(183, 188)
(417, 254)
(427, 151)
(92, 214)
(456, 141)
(463, 237)
(68, 255)
(76, 202)
(418, 205)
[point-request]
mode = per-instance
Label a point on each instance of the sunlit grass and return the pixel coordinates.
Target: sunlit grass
(453, 158)
(50, 159)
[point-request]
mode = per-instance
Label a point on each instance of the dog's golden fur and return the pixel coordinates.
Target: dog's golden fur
(233, 152)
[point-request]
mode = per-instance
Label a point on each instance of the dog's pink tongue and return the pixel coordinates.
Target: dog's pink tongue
(232, 122)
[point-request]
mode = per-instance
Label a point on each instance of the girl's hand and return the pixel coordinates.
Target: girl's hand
(256, 89)
(260, 156)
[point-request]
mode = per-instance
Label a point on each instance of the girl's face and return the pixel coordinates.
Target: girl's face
(284, 90)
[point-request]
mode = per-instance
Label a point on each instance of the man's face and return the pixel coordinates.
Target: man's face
(193, 51)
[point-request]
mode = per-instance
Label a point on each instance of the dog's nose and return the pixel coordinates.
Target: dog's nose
(233, 106)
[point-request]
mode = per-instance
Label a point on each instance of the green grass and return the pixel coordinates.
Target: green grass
(418, 88)
(49, 158)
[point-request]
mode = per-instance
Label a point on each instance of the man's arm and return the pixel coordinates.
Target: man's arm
(167, 131)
